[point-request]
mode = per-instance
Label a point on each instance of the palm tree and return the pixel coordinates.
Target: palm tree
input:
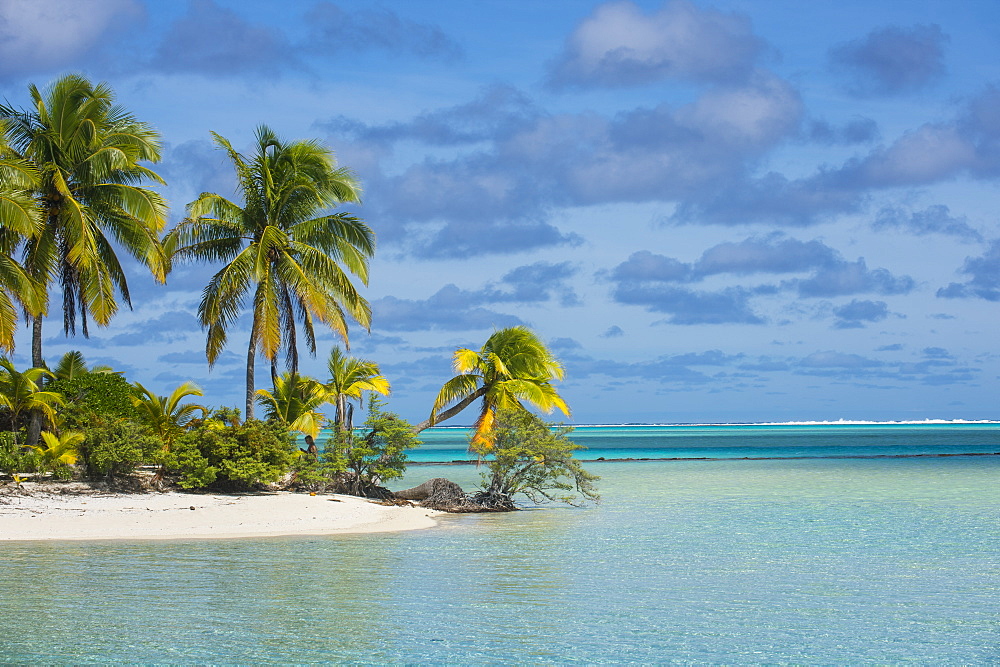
(166, 415)
(59, 449)
(21, 392)
(512, 366)
(73, 365)
(87, 152)
(349, 378)
(19, 219)
(279, 249)
(294, 402)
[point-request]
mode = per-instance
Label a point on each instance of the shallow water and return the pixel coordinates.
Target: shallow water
(803, 561)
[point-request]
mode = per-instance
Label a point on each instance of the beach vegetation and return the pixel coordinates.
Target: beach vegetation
(167, 416)
(532, 458)
(111, 450)
(369, 457)
(294, 402)
(22, 393)
(350, 377)
(94, 399)
(73, 365)
(281, 250)
(246, 456)
(513, 367)
(58, 453)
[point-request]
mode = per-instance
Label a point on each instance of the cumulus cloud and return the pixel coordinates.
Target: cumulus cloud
(449, 309)
(832, 275)
(935, 219)
(984, 282)
(498, 111)
(518, 164)
(619, 45)
(456, 309)
(654, 281)
(216, 41)
(686, 306)
(336, 30)
(855, 314)
(772, 254)
(168, 327)
(44, 35)
(614, 331)
(967, 145)
(846, 278)
(893, 59)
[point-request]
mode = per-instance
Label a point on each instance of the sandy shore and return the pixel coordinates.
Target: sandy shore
(49, 516)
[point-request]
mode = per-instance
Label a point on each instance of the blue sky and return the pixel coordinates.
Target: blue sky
(726, 211)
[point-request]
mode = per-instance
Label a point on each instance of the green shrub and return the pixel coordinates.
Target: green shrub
(93, 399)
(243, 456)
(370, 460)
(13, 459)
(532, 457)
(114, 449)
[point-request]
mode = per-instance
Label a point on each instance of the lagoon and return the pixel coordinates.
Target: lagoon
(805, 561)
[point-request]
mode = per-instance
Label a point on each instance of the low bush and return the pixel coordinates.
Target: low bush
(251, 454)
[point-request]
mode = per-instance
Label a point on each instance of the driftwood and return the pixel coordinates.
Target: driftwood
(443, 494)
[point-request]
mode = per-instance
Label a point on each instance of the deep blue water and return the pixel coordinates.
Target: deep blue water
(747, 441)
(804, 561)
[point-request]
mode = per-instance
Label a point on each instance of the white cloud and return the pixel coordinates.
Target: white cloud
(39, 35)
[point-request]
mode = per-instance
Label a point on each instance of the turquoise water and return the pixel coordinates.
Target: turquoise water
(840, 561)
(748, 441)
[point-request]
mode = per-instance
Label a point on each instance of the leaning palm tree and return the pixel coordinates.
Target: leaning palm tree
(349, 378)
(294, 402)
(20, 218)
(280, 249)
(87, 152)
(511, 368)
(21, 392)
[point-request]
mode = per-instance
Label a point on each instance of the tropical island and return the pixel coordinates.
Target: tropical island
(76, 191)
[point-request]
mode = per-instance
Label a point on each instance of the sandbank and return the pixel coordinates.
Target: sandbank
(161, 516)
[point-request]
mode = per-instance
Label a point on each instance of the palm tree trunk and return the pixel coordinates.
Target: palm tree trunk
(251, 358)
(37, 361)
(452, 411)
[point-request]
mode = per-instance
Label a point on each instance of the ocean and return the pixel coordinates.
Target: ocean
(725, 557)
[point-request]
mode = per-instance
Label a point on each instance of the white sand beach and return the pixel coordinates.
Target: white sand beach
(52, 516)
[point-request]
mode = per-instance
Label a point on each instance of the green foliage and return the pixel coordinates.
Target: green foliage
(166, 416)
(13, 459)
(95, 398)
(112, 450)
(316, 474)
(294, 401)
(375, 458)
(512, 368)
(243, 456)
(529, 457)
